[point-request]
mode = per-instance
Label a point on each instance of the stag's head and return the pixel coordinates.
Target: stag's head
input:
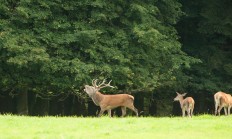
(91, 90)
(179, 96)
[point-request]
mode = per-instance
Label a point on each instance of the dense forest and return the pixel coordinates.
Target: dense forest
(151, 49)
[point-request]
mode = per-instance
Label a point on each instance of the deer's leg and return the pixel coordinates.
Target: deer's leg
(136, 112)
(225, 110)
(101, 112)
(219, 110)
(183, 112)
(192, 110)
(216, 109)
(188, 111)
(123, 111)
(132, 107)
(229, 110)
(109, 112)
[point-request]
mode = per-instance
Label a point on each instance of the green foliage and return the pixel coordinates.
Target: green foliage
(206, 34)
(213, 21)
(53, 46)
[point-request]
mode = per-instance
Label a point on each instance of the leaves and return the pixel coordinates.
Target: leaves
(206, 34)
(58, 45)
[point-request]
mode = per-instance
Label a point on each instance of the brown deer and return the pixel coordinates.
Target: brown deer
(108, 102)
(186, 104)
(222, 100)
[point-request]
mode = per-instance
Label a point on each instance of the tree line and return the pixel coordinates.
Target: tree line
(50, 49)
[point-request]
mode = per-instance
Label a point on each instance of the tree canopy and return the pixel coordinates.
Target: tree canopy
(55, 45)
(206, 35)
(52, 48)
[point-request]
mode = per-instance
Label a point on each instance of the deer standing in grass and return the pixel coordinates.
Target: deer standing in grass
(186, 104)
(108, 102)
(222, 100)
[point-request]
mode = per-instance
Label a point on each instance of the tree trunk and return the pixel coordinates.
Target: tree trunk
(22, 103)
(153, 107)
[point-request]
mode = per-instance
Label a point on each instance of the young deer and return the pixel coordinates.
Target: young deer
(186, 104)
(108, 102)
(222, 100)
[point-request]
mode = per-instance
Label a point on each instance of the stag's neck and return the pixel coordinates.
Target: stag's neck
(97, 98)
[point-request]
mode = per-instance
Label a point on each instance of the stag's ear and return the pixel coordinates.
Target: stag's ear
(184, 94)
(177, 93)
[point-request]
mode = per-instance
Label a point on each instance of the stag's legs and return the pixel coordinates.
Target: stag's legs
(134, 109)
(123, 111)
(136, 112)
(229, 110)
(225, 110)
(101, 112)
(109, 112)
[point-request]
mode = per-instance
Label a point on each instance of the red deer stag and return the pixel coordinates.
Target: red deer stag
(108, 102)
(186, 104)
(222, 100)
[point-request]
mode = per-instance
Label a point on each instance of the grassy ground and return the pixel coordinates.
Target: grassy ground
(199, 127)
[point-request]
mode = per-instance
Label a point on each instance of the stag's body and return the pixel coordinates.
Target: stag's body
(222, 100)
(108, 102)
(186, 104)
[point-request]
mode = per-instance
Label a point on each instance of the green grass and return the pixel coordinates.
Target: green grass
(198, 127)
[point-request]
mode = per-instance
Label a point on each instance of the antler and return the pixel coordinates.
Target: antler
(94, 82)
(102, 84)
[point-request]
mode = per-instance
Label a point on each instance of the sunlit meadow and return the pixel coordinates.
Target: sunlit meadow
(198, 127)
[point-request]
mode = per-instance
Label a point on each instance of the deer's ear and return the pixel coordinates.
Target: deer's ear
(184, 94)
(177, 93)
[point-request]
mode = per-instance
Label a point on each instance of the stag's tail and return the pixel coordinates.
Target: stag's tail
(217, 102)
(131, 97)
(217, 99)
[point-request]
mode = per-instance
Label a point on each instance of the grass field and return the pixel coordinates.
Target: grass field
(198, 127)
